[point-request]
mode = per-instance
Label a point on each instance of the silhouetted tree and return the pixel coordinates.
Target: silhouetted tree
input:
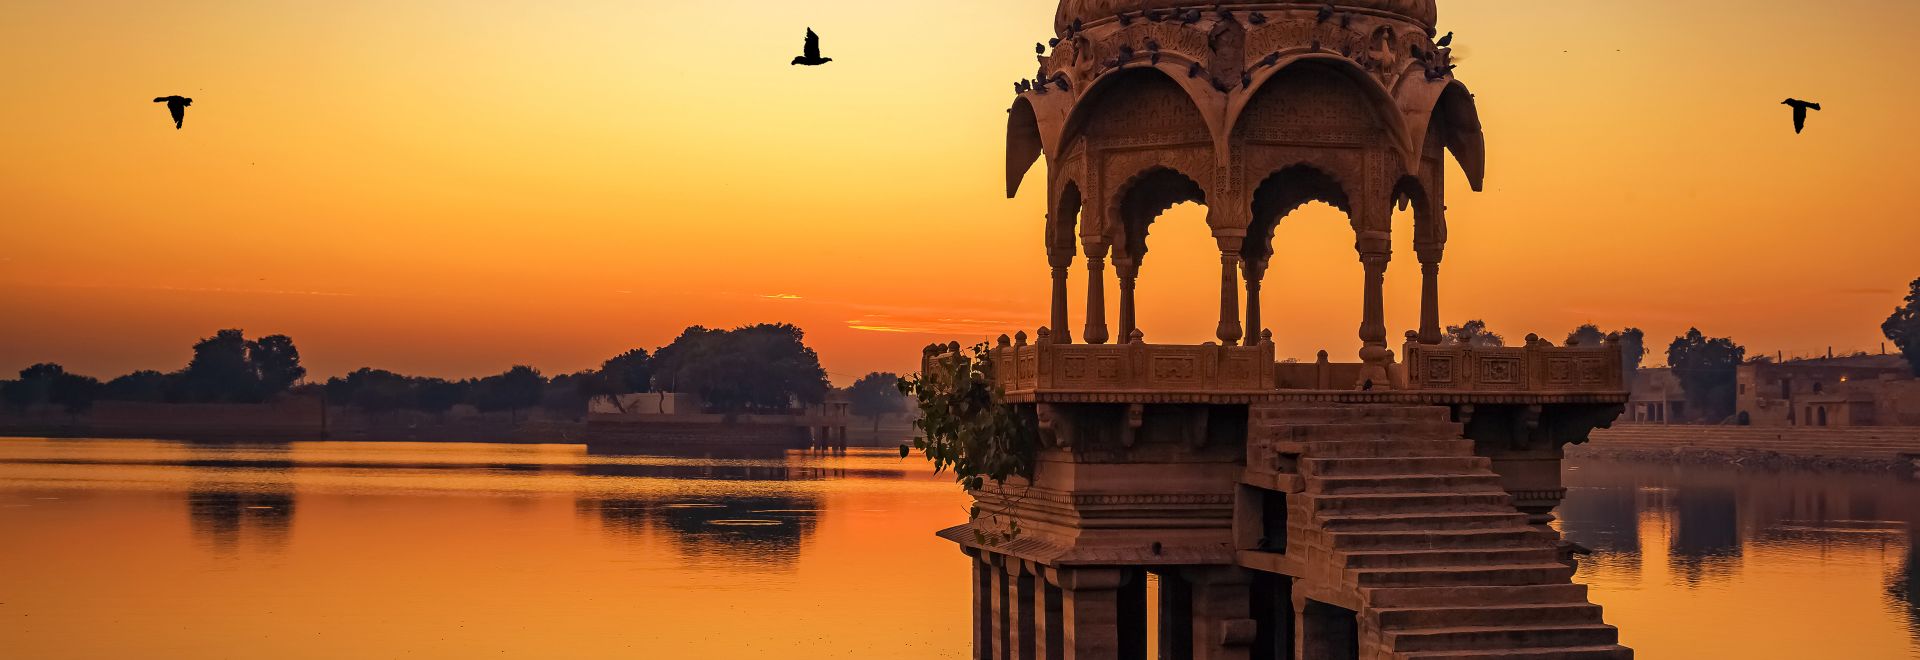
(374, 391)
(49, 383)
(438, 395)
(512, 390)
(145, 386)
(1633, 346)
(1903, 327)
(1473, 334)
(220, 371)
(628, 372)
(276, 363)
(756, 367)
(876, 394)
(1706, 368)
(567, 394)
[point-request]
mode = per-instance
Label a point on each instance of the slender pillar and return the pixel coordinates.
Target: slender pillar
(1254, 272)
(1090, 608)
(1049, 629)
(982, 606)
(1020, 619)
(1000, 591)
(1128, 270)
(1373, 326)
(1096, 332)
(1060, 261)
(1429, 296)
(1229, 331)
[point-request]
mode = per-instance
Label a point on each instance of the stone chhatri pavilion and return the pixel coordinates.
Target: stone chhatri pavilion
(1393, 507)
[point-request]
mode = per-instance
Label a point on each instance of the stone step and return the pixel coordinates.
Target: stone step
(1510, 536)
(1309, 412)
(1342, 467)
(1404, 618)
(1404, 483)
(1312, 432)
(1483, 501)
(1378, 522)
(1385, 448)
(1608, 652)
(1451, 557)
(1466, 576)
(1471, 638)
(1486, 596)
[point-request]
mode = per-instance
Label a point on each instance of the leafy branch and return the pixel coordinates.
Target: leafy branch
(968, 428)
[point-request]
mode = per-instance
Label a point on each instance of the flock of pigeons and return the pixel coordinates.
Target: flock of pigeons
(810, 56)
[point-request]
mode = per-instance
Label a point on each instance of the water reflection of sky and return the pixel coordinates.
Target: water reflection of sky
(387, 549)
(1756, 564)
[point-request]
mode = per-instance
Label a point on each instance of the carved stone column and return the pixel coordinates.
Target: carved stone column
(1020, 612)
(1373, 325)
(1229, 331)
(1222, 628)
(982, 605)
(1429, 295)
(1049, 633)
(1090, 606)
(1128, 270)
(1096, 332)
(999, 592)
(1060, 261)
(1254, 271)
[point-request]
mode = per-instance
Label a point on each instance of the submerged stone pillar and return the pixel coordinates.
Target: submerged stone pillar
(1222, 627)
(1049, 632)
(998, 608)
(982, 605)
(1128, 270)
(1254, 271)
(1020, 611)
(1060, 261)
(1090, 600)
(1096, 332)
(1429, 295)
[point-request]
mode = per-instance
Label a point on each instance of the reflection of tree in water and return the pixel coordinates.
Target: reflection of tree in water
(1705, 542)
(1605, 519)
(221, 518)
(1903, 587)
(748, 529)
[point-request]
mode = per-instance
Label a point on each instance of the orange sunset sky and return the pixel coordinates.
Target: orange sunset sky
(452, 187)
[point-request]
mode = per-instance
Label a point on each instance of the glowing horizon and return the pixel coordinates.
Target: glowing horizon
(447, 188)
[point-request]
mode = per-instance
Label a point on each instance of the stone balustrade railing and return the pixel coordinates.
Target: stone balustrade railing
(1538, 367)
(1026, 371)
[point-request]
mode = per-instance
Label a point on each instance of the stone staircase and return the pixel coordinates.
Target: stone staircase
(1395, 511)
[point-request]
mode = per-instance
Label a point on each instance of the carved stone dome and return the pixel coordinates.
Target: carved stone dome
(1419, 11)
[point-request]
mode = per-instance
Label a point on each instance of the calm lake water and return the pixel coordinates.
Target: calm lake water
(114, 548)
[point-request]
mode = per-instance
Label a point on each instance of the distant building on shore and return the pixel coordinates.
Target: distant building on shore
(1657, 398)
(1864, 390)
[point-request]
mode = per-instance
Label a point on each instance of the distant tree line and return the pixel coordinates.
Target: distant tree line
(760, 367)
(225, 368)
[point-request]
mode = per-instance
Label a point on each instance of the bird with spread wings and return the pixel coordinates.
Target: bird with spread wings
(810, 54)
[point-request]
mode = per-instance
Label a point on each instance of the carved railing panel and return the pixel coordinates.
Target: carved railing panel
(1137, 367)
(1536, 367)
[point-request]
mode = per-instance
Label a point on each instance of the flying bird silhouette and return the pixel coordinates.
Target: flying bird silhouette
(177, 106)
(810, 53)
(1799, 112)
